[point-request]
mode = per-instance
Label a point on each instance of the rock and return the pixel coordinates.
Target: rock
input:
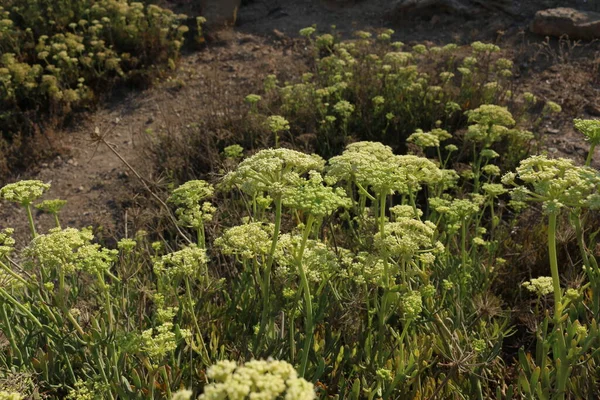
(219, 13)
(431, 8)
(567, 21)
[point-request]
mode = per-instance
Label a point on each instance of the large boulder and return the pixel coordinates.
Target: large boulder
(567, 21)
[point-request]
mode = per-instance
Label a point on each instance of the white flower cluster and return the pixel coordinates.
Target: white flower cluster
(70, 249)
(186, 262)
(556, 183)
(246, 241)
(272, 171)
(318, 261)
(24, 192)
(374, 165)
(159, 342)
(264, 380)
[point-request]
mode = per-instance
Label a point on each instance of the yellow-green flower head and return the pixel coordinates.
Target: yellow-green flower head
(412, 305)
(308, 31)
(491, 170)
(344, 109)
(373, 165)
(406, 237)
(541, 286)
(191, 193)
(183, 394)
(187, 262)
(4, 395)
(318, 261)
(246, 241)
(324, 41)
(419, 170)
(494, 189)
(187, 198)
(479, 47)
(126, 245)
(93, 258)
(272, 171)
(51, 206)
(159, 342)
(7, 243)
(264, 380)
(404, 211)
(397, 58)
(314, 198)
(252, 99)
(277, 124)
(490, 114)
(590, 128)
(24, 192)
(555, 183)
(234, 151)
(420, 49)
(59, 248)
(457, 209)
(424, 139)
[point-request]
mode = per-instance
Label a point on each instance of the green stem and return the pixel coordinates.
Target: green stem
(190, 301)
(20, 306)
(267, 275)
(554, 265)
(30, 219)
(588, 160)
(307, 298)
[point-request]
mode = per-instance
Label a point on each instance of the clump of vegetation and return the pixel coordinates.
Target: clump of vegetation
(59, 56)
(370, 274)
(364, 270)
(373, 88)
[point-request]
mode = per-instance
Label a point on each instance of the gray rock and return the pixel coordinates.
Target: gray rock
(567, 21)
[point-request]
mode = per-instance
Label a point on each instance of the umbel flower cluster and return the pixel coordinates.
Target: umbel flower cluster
(258, 379)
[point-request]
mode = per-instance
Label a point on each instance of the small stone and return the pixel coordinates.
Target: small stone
(553, 150)
(552, 131)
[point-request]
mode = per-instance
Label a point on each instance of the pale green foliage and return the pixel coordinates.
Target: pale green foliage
(268, 380)
(24, 192)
